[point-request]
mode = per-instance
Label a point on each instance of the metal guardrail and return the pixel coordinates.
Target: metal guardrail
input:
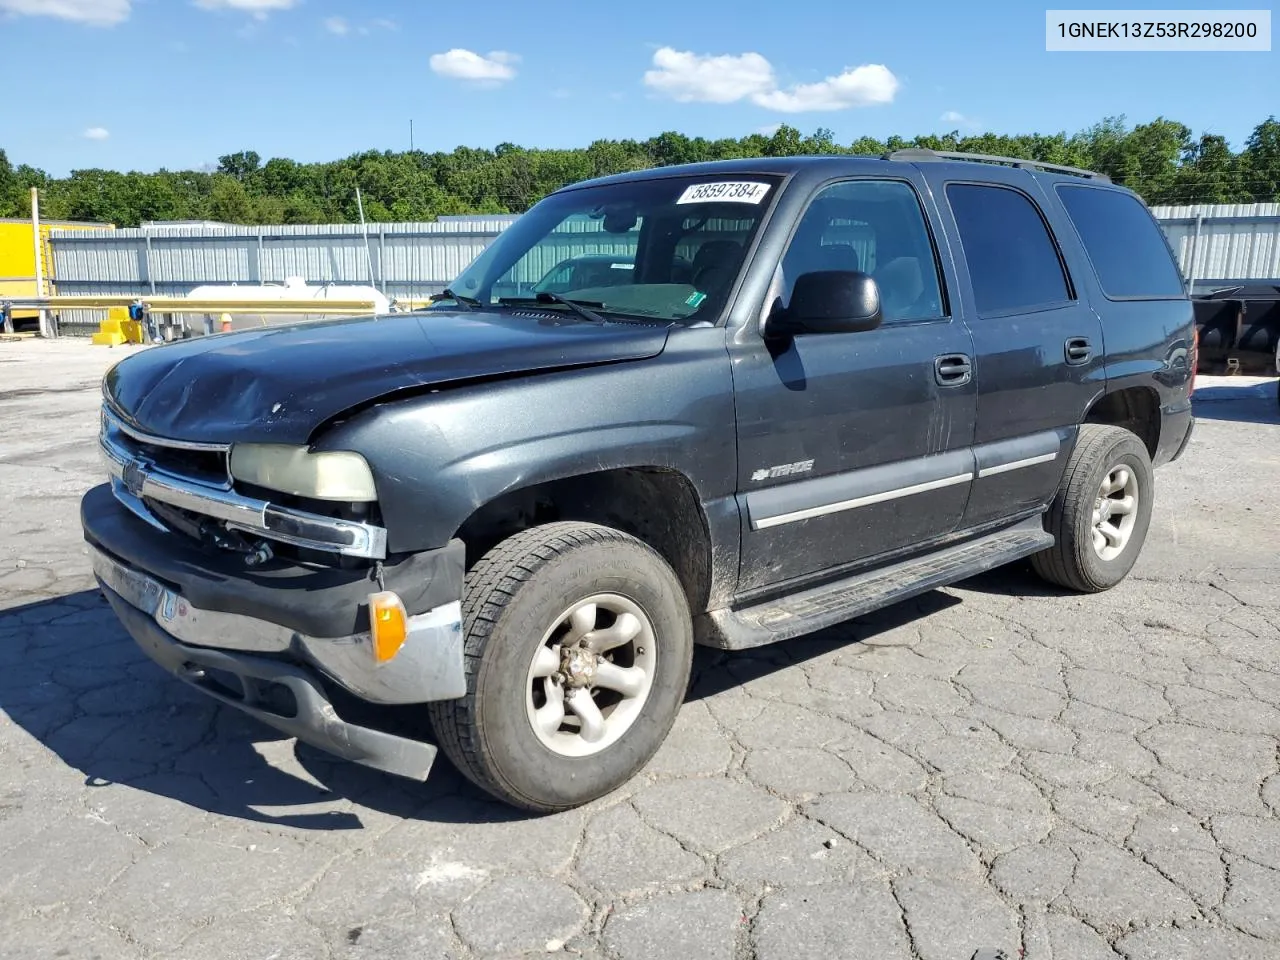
(187, 305)
(180, 307)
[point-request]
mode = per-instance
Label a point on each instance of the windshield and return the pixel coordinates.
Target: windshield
(663, 248)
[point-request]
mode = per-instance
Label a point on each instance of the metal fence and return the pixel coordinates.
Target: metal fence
(415, 260)
(403, 260)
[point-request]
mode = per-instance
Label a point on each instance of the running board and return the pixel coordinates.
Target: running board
(832, 603)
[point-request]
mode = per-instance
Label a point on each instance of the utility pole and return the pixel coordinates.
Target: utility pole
(45, 328)
(411, 136)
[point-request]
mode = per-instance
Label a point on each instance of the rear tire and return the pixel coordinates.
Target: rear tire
(1101, 513)
(579, 646)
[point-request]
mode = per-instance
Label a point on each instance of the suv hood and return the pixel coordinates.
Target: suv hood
(278, 384)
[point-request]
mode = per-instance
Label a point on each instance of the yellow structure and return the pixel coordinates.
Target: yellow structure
(118, 329)
(18, 258)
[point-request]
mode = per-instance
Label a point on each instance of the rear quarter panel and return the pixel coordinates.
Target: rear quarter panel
(1148, 343)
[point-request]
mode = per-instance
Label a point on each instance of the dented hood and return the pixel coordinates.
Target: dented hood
(278, 384)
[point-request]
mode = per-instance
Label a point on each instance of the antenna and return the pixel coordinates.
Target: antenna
(368, 257)
(411, 136)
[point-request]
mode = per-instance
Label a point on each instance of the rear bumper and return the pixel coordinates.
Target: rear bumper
(286, 697)
(1177, 425)
(1186, 440)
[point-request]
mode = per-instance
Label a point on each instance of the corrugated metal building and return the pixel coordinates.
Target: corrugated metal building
(1224, 241)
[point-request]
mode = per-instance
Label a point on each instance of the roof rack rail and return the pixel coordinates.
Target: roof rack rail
(921, 153)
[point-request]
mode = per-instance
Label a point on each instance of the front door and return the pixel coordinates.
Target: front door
(854, 445)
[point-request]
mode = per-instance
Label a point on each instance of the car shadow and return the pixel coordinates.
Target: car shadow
(74, 680)
(1244, 403)
(715, 671)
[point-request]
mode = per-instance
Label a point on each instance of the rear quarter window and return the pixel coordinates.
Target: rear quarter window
(1125, 246)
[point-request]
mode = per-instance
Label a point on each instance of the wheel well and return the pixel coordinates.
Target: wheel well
(1137, 409)
(660, 507)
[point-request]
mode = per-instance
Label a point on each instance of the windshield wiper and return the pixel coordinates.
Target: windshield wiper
(580, 307)
(471, 303)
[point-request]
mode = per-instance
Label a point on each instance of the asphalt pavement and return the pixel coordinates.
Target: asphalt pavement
(995, 766)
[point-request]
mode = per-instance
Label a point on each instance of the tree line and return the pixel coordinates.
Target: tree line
(1161, 160)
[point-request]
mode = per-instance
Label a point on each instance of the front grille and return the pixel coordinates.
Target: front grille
(186, 488)
(205, 466)
(201, 462)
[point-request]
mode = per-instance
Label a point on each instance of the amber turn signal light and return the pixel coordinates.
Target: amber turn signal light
(388, 624)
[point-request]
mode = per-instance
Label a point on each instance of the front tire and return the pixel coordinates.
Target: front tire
(579, 646)
(1101, 513)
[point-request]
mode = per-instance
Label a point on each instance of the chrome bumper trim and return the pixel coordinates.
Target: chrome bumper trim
(430, 665)
(133, 479)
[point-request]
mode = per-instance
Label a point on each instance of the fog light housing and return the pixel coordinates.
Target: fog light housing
(388, 624)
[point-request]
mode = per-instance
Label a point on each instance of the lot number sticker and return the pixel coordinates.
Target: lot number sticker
(729, 191)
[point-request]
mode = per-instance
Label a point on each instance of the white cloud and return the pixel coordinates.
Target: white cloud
(96, 133)
(495, 68)
(382, 23)
(769, 129)
(337, 26)
(864, 86)
(258, 8)
(686, 77)
(97, 13)
(959, 119)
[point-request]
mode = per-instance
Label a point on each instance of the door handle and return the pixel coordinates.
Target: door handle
(952, 370)
(1078, 350)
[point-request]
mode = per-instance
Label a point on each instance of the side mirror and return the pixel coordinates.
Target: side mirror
(830, 301)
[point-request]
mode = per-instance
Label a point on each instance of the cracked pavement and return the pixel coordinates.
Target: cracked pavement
(995, 765)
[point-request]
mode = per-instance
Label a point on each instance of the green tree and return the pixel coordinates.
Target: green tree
(1161, 160)
(229, 202)
(9, 188)
(1260, 162)
(241, 165)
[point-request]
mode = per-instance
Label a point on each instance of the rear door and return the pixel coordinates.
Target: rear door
(854, 445)
(1039, 357)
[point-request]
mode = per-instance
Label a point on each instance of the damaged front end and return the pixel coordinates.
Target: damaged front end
(280, 602)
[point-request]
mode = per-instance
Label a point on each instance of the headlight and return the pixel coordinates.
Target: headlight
(333, 475)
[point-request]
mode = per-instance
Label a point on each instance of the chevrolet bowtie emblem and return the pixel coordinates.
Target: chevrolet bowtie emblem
(135, 475)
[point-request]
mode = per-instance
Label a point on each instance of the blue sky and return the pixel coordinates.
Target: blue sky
(144, 84)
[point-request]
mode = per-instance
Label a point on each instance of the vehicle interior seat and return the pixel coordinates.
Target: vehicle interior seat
(901, 285)
(714, 265)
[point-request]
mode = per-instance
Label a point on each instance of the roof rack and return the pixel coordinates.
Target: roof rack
(921, 153)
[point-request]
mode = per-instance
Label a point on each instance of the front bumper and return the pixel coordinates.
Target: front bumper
(284, 696)
(429, 666)
(284, 642)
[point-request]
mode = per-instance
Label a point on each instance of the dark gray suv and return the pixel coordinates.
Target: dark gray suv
(826, 384)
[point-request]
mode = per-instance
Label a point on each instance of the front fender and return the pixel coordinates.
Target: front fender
(437, 458)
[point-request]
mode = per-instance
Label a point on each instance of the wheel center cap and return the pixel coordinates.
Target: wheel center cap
(578, 667)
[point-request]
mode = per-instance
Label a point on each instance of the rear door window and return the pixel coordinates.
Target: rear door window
(1013, 261)
(1128, 252)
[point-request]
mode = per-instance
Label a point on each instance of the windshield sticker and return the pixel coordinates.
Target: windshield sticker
(728, 191)
(695, 298)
